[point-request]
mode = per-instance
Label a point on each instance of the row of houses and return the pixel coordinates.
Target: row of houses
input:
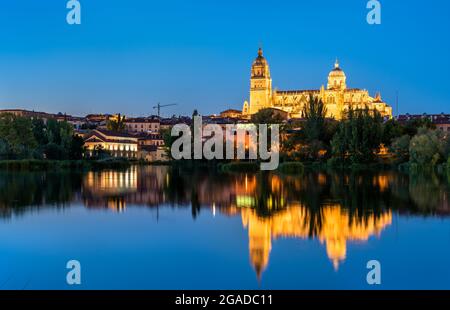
(77, 122)
(150, 125)
(441, 121)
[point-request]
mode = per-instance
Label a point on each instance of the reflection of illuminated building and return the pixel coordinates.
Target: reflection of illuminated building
(335, 228)
(245, 191)
(108, 187)
(112, 182)
(338, 228)
(115, 189)
(248, 195)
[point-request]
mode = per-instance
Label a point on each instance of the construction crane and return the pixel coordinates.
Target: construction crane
(159, 106)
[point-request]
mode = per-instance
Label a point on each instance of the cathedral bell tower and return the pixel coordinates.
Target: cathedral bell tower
(260, 85)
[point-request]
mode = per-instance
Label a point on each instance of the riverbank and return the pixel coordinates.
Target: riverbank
(35, 165)
(287, 167)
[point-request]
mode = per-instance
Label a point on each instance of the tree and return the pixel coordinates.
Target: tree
(22, 137)
(4, 149)
(266, 116)
(339, 143)
(53, 151)
(310, 138)
(317, 131)
(359, 136)
(400, 148)
(314, 113)
(66, 134)
(76, 150)
(117, 123)
(39, 131)
(427, 147)
(17, 135)
(53, 131)
(392, 129)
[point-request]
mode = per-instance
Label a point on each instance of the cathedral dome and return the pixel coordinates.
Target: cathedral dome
(337, 71)
(337, 78)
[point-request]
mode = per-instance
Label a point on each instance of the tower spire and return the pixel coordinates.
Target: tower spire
(260, 51)
(336, 64)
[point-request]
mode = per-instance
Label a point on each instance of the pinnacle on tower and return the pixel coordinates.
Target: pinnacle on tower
(336, 64)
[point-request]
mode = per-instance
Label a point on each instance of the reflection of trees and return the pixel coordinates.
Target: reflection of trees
(429, 193)
(21, 191)
(360, 194)
(334, 208)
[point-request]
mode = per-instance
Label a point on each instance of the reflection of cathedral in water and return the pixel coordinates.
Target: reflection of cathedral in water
(336, 230)
(336, 209)
(268, 208)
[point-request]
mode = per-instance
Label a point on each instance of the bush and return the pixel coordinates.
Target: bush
(110, 163)
(335, 162)
(53, 151)
(26, 164)
(240, 166)
(291, 168)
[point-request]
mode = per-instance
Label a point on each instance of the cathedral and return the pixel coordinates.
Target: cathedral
(337, 97)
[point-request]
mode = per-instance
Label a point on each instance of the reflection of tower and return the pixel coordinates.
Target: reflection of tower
(287, 223)
(260, 242)
(337, 228)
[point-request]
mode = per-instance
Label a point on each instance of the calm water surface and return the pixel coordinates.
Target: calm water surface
(166, 228)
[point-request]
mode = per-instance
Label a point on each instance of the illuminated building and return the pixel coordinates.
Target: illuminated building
(337, 97)
(117, 143)
(142, 124)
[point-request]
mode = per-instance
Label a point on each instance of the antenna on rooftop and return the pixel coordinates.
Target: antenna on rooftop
(396, 103)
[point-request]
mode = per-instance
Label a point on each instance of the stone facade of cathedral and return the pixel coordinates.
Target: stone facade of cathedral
(337, 97)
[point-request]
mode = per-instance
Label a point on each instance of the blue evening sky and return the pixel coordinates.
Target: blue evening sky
(128, 55)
